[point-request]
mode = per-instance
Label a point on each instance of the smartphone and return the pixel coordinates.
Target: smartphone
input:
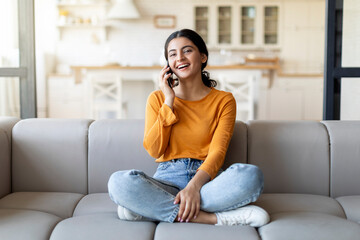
(171, 81)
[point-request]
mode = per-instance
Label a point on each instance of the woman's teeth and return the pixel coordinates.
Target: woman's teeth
(182, 66)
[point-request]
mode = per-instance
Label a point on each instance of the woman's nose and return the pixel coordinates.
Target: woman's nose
(180, 56)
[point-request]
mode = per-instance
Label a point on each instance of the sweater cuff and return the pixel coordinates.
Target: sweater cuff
(212, 172)
(166, 116)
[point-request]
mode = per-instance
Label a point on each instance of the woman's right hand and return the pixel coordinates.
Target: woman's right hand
(165, 88)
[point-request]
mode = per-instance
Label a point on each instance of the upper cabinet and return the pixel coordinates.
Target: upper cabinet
(224, 24)
(252, 26)
(271, 23)
(202, 22)
(247, 24)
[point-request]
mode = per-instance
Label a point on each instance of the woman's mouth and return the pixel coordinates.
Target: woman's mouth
(183, 66)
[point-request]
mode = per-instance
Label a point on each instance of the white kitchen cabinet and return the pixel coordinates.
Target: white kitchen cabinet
(239, 25)
(293, 98)
(65, 98)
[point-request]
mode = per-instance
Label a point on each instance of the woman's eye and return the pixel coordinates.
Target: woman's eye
(172, 55)
(187, 50)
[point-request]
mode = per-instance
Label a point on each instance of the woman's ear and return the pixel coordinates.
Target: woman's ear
(203, 58)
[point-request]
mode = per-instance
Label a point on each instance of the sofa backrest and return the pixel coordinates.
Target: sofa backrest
(79, 156)
(294, 156)
(344, 157)
(50, 155)
(118, 145)
(237, 151)
(6, 125)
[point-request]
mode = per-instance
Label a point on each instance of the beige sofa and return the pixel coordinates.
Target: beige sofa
(54, 173)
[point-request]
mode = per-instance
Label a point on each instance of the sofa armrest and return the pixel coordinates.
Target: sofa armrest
(6, 125)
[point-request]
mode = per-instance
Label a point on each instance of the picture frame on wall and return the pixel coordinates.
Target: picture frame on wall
(165, 21)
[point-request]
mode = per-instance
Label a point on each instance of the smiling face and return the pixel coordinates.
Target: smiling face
(184, 58)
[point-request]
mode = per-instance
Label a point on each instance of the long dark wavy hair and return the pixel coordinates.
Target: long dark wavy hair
(200, 44)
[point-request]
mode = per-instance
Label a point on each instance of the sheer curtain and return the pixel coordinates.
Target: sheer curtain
(9, 57)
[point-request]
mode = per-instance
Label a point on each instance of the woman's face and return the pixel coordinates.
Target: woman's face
(184, 58)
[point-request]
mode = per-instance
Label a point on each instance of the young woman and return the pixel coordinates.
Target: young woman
(188, 129)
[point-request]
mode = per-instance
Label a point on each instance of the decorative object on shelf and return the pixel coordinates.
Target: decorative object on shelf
(165, 21)
(123, 9)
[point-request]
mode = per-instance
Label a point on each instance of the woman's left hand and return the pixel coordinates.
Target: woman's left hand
(189, 200)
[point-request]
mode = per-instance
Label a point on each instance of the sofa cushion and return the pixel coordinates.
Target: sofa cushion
(18, 224)
(60, 204)
(95, 203)
(102, 226)
(294, 156)
(278, 203)
(116, 145)
(345, 157)
(194, 231)
(309, 225)
(50, 155)
(351, 206)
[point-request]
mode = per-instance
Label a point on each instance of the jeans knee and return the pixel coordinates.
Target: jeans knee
(119, 182)
(251, 174)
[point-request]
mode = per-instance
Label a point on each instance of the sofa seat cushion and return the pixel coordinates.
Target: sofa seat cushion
(59, 204)
(281, 202)
(309, 225)
(102, 226)
(194, 231)
(95, 203)
(18, 224)
(351, 206)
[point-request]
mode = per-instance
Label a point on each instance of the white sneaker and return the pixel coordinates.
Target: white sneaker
(251, 215)
(126, 214)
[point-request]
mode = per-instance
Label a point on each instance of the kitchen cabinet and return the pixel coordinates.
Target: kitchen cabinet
(232, 25)
(66, 99)
(83, 15)
(293, 98)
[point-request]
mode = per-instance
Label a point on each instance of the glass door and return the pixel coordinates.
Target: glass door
(350, 86)
(342, 64)
(9, 59)
(17, 59)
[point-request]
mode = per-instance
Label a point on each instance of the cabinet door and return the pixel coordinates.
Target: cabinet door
(247, 25)
(202, 22)
(66, 99)
(224, 25)
(271, 25)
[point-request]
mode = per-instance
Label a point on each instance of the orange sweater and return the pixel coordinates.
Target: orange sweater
(194, 129)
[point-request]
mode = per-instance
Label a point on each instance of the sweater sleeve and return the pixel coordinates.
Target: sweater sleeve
(221, 138)
(159, 119)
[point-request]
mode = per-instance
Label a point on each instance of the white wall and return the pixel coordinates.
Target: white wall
(130, 42)
(303, 36)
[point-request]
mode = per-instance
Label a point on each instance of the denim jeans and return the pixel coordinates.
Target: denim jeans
(153, 197)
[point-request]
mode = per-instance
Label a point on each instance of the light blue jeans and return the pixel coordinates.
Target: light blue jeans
(153, 197)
